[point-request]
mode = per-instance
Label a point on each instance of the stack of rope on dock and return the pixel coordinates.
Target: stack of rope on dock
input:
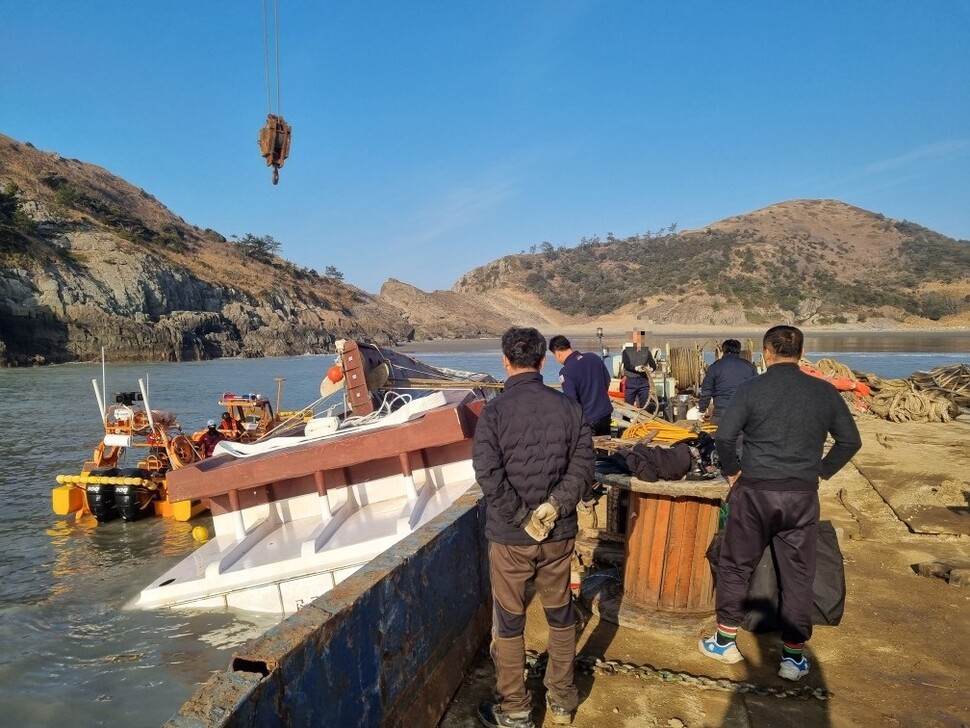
(951, 381)
(934, 396)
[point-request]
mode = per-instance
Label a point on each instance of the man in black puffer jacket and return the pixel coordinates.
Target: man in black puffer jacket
(533, 458)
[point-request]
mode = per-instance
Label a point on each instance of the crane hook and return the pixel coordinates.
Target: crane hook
(274, 143)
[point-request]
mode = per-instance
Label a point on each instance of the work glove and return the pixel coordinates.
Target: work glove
(541, 520)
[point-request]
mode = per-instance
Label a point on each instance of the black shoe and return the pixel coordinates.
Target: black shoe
(560, 716)
(492, 716)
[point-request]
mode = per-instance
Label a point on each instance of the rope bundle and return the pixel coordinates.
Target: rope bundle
(687, 366)
(903, 400)
(835, 369)
(908, 404)
(952, 381)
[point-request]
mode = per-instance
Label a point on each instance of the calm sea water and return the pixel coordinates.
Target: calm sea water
(70, 652)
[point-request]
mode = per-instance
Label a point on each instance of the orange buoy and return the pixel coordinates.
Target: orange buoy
(843, 384)
(335, 374)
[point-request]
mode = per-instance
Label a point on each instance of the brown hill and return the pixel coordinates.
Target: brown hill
(443, 314)
(88, 260)
(804, 261)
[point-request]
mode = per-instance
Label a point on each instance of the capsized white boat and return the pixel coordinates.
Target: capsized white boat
(294, 516)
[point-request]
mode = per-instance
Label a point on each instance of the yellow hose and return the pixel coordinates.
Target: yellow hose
(666, 433)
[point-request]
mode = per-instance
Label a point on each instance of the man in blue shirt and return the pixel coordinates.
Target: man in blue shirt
(585, 378)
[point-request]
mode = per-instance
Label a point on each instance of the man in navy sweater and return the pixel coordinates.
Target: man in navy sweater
(585, 378)
(722, 378)
(785, 416)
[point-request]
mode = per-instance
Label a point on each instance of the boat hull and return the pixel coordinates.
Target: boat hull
(291, 553)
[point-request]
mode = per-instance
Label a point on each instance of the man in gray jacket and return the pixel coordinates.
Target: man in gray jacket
(785, 416)
(533, 458)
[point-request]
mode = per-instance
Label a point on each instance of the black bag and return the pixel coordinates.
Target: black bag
(761, 605)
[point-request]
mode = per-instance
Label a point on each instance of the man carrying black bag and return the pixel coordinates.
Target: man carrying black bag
(785, 417)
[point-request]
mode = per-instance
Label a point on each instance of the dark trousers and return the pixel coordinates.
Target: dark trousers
(636, 391)
(511, 568)
(602, 425)
(786, 519)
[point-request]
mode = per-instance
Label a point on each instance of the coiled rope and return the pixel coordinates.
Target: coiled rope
(903, 402)
(687, 366)
(897, 400)
(835, 369)
(952, 380)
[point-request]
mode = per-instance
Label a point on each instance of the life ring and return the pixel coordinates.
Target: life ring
(181, 452)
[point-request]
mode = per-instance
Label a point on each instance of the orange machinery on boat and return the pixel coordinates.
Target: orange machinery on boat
(108, 490)
(248, 416)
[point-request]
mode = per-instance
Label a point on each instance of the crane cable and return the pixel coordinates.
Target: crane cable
(276, 43)
(274, 138)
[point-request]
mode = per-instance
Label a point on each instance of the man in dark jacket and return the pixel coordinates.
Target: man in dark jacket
(637, 366)
(785, 416)
(723, 377)
(585, 378)
(533, 458)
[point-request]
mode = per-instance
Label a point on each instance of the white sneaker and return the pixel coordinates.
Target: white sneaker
(722, 653)
(792, 670)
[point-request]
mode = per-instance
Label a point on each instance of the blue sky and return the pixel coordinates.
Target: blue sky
(432, 137)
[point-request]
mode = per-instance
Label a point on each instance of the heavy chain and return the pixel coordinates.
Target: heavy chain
(536, 667)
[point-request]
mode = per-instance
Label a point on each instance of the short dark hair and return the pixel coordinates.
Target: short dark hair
(559, 343)
(524, 347)
(785, 341)
(731, 346)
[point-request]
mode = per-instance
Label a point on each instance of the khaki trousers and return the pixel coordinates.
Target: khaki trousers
(511, 568)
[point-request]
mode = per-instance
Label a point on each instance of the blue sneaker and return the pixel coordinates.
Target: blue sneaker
(722, 653)
(793, 670)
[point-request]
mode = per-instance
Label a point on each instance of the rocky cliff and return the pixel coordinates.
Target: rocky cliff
(89, 261)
